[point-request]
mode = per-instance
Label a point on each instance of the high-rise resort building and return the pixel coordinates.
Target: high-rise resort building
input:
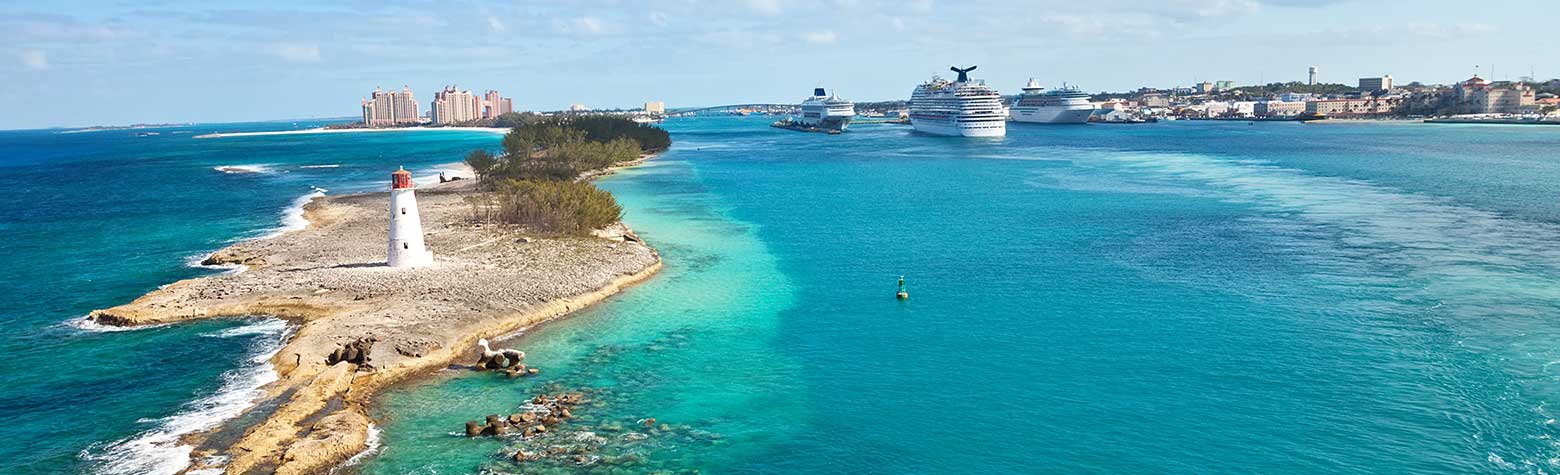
(389, 109)
(655, 107)
(1383, 83)
(494, 105)
(452, 106)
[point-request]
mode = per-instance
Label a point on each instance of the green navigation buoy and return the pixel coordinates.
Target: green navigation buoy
(902, 294)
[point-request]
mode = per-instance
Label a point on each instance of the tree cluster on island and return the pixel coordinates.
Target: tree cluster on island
(536, 181)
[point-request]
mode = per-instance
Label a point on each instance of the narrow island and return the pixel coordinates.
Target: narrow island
(529, 239)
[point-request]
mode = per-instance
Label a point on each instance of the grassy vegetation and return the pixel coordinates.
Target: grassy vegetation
(536, 180)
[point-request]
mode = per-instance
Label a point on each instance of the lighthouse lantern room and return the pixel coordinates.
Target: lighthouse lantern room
(406, 236)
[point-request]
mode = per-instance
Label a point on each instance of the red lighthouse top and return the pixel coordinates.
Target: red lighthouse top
(400, 179)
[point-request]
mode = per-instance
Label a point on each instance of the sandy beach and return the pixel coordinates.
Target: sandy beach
(322, 130)
(329, 279)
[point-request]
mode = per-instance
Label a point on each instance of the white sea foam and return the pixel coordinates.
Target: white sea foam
(334, 165)
(159, 450)
(87, 325)
(265, 327)
(292, 217)
(243, 169)
(369, 451)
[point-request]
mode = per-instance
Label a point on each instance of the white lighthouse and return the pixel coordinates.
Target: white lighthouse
(406, 235)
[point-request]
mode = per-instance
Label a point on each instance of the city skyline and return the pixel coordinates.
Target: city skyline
(167, 62)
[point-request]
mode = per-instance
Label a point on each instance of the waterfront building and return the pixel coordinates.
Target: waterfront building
(406, 235)
(1156, 99)
(1278, 108)
(1359, 107)
(389, 109)
(452, 106)
(1296, 97)
(494, 105)
(1477, 96)
(655, 107)
(1383, 83)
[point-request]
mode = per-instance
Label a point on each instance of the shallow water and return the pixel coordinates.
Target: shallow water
(95, 219)
(1170, 298)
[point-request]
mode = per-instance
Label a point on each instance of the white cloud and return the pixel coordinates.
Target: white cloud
(658, 18)
(1436, 30)
(297, 53)
(820, 37)
(767, 7)
(584, 25)
(495, 25)
(35, 60)
(897, 23)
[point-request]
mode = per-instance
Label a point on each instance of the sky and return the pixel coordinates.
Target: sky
(75, 63)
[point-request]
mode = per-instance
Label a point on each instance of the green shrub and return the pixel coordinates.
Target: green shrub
(559, 207)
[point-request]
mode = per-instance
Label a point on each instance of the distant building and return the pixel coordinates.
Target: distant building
(451, 106)
(656, 107)
(1383, 83)
(578, 108)
(1362, 107)
(1296, 97)
(388, 109)
(494, 105)
(1156, 99)
(1278, 108)
(1312, 73)
(1223, 85)
(1476, 96)
(1204, 87)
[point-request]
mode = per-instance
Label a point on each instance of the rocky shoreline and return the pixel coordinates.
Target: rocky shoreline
(362, 326)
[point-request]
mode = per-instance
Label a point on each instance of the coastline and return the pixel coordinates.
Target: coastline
(322, 130)
(328, 281)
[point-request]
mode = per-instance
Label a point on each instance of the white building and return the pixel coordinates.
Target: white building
(1382, 83)
(406, 235)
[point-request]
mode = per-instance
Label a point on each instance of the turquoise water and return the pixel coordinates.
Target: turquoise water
(1164, 298)
(1170, 298)
(92, 220)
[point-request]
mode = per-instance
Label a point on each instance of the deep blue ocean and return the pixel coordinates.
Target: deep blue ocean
(1207, 297)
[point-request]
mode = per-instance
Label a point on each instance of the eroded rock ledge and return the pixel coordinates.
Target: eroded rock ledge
(330, 280)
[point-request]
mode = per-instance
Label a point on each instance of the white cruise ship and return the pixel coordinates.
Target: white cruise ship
(826, 112)
(959, 108)
(1067, 105)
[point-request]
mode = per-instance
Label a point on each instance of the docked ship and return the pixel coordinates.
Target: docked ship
(959, 108)
(825, 111)
(1067, 105)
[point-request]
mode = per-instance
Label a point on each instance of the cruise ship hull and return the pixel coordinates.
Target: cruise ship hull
(833, 122)
(960, 129)
(1051, 115)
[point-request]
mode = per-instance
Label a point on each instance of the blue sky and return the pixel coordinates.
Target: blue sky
(81, 63)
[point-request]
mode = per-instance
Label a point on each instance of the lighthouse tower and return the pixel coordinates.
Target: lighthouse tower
(406, 236)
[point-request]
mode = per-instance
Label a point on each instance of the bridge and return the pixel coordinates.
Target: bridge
(727, 109)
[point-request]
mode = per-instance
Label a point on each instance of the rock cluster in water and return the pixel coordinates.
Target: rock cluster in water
(533, 419)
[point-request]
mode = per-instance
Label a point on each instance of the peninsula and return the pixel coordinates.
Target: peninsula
(331, 280)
